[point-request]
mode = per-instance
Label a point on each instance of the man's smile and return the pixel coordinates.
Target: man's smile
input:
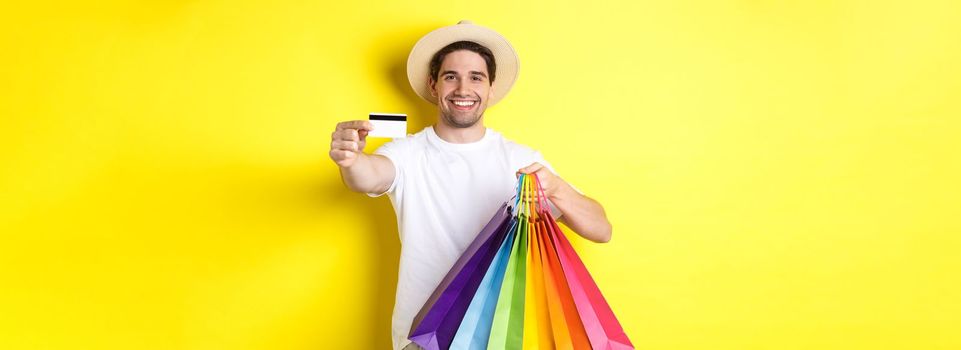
(463, 105)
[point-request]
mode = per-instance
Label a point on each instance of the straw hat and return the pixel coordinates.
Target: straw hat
(418, 63)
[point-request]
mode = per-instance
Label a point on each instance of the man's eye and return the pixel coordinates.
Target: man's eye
(449, 77)
(478, 78)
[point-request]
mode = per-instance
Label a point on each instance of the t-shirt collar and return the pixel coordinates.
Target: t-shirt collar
(434, 138)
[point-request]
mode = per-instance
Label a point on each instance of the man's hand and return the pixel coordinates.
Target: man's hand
(550, 183)
(348, 141)
(361, 172)
(582, 214)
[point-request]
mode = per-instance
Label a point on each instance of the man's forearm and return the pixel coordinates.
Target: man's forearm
(362, 176)
(582, 214)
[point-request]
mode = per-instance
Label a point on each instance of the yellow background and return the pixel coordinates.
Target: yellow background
(779, 174)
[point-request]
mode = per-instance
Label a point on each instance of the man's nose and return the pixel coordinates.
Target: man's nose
(462, 89)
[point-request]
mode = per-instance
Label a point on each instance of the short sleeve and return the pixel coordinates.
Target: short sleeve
(396, 151)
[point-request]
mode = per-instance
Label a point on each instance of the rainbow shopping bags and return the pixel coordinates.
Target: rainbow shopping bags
(519, 285)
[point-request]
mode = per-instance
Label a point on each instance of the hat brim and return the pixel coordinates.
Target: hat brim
(418, 63)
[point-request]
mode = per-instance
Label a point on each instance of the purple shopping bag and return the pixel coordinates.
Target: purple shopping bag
(435, 325)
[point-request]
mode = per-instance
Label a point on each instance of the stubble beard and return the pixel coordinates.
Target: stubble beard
(461, 121)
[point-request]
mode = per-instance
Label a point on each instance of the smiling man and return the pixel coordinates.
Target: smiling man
(446, 181)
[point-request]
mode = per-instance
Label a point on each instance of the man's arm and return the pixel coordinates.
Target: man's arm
(581, 213)
(366, 173)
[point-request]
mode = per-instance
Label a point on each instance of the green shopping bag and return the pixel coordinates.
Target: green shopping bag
(507, 330)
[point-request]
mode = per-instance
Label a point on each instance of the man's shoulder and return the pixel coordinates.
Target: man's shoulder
(511, 146)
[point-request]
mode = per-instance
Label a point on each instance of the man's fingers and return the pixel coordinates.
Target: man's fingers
(345, 145)
(533, 168)
(346, 135)
(340, 155)
(355, 125)
(347, 141)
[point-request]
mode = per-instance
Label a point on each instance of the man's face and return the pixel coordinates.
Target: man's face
(463, 88)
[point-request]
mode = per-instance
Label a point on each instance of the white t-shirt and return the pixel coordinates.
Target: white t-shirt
(443, 194)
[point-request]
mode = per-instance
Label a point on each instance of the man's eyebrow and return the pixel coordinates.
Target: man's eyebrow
(446, 72)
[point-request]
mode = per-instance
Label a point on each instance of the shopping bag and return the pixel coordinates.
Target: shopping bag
(568, 330)
(599, 323)
(602, 328)
(537, 322)
(507, 329)
(520, 285)
(437, 322)
(474, 330)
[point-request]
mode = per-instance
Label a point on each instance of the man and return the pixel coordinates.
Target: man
(446, 181)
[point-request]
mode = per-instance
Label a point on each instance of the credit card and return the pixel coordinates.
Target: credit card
(388, 125)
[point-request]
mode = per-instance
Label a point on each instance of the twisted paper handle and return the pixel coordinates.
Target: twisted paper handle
(530, 198)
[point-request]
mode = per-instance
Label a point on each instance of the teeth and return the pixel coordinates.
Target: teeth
(464, 103)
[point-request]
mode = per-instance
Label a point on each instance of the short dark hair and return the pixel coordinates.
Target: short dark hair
(481, 50)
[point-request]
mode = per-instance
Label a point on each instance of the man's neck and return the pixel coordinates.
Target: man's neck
(460, 135)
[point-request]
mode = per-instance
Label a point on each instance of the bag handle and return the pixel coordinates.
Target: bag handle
(520, 199)
(529, 197)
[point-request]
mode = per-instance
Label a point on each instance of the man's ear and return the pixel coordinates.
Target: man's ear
(431, 87)
(490, 92)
